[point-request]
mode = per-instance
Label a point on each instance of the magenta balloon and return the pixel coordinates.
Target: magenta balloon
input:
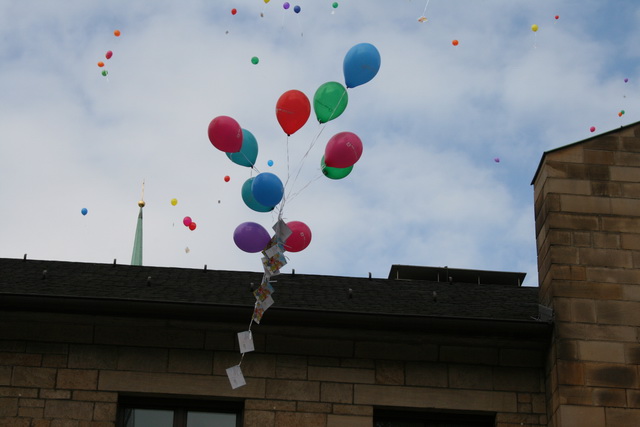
(225, 134)
(300, 236)
(187, 221)
(251, 237)
(343, 150)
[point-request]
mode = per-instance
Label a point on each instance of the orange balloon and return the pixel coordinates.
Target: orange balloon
(100, 64)
(116, 33)
(455, 42)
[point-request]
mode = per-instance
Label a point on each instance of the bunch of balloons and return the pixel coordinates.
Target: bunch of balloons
(263, 192)
(189, 223)
(108, 55)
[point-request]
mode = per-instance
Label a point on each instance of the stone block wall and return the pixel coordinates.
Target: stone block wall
(62, 370)
(587, 207)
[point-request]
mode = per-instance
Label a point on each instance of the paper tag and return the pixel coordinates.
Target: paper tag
(263, 291)
(235, 377)
(245, 340)
(282, 230)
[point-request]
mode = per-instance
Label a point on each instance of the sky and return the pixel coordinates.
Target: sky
(452, 135)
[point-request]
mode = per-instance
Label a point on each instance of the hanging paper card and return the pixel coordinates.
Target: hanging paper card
(268, 269)
(268, 302)
(235, 377)
(272, 265)
(261, 307)
(245, 341)
(282, 230)
(263, 291)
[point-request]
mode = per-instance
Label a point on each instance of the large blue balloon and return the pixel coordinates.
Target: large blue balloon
(248, 151)
(267, 189)
(249, 200)
(361, 64)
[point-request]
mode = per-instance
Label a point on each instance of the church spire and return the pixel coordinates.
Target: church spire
(136, 257)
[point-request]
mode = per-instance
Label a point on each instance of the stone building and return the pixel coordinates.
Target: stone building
(104, 345)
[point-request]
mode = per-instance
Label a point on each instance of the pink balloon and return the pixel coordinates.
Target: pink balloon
(225, 134)
(109, 54)
(343, 150)
(300, 236)
(187, 221)
(592, 128)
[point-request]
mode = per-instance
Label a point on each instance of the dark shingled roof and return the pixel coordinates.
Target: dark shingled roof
(27, 280)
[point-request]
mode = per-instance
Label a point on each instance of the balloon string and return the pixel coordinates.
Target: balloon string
(425, 8)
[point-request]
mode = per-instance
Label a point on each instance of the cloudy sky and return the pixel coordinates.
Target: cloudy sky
(426, 191)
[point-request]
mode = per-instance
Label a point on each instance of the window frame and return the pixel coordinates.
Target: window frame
(180, 407)
(426, 416)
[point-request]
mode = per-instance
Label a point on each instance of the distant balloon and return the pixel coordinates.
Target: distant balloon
(100, 64)
(497, 160)
(297, 9)
(592, 128)
(192, 226)
(84, 211)
(455, 42)
(626, 80)
(105, 72)
(186, 221)
(234, 11)
(534, 28)
(361, 64)
(255, 60)
(270, 163)
(108, 55)
(227, 178)
(174, 202)
(286, 5)
(334, 5)
(116, 33)
(620, 114)
(557, 17)
(266, 1)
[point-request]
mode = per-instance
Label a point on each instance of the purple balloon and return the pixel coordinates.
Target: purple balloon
(251, 237)
(286, 5)
(626, 80)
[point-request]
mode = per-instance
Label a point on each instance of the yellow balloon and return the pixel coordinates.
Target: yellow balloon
(266, 1)
(174, 202)
(534, 28)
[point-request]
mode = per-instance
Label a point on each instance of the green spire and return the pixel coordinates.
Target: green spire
(136, 257)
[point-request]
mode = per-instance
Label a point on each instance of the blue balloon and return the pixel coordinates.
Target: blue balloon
(270, 163)
(250, 201)
(84, 211)
(361, 64)
(267, 189)
(248, 151)
(297, 9)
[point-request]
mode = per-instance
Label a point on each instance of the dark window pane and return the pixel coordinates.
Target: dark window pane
(210, 419)
(148, 418)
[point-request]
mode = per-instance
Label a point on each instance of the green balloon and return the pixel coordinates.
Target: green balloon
(105, 72)
(330, 101)
(255, 60)
(334, 173)
(335, 4)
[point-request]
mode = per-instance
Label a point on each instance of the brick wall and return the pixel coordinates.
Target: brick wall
(587, 206)
(60, 370)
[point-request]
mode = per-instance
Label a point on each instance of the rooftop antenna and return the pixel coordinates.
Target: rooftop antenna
(136, 257)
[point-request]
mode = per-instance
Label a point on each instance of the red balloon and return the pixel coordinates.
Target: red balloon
(234, 11)
(109, 54)
(227, 178)
(192, 226)
(300, 236)
(292, 111)
(187, 221)
(343, 150)
(225, 134)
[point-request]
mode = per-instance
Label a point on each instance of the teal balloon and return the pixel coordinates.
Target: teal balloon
(361, 64)
(250, 201)
(248, 151)
(334, 173)
(330, 101)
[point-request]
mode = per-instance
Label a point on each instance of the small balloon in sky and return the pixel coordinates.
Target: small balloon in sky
(174, 202)
(534, 28)
(286, 5)
(108, 55)
(192, 226)
(592, 128)
(186, 221)
(234, 11)
(187, 250)
(227, 178)
(455, 42)
(84, 211)
(266, 1)
(422, 19)
(270, 163)
(105, 72)
(557, 16)
(335, 5)
(255, 60)
(297, 9)
(620, 114)
(116, 33)
(626, 80)
(497, 159)
(100, 64)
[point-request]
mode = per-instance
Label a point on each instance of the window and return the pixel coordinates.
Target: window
(412, 418)
(152, 412)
